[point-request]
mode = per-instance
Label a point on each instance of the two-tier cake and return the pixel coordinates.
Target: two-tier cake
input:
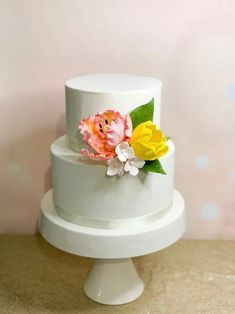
(114, 168)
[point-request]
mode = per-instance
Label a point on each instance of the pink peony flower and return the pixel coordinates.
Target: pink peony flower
(103, 132)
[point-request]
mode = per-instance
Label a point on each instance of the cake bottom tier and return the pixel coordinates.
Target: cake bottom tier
(112, 243)
(112, 223)
(84, 195)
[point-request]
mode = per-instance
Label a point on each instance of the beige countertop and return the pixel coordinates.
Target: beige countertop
(190, 276)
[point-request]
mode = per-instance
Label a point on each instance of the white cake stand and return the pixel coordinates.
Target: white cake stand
(113, 279)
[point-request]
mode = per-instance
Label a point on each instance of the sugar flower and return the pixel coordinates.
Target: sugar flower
(103, 132)
(133, 165)
(115, 167)
(110, 138)
(124, 151)
(148, 142)
(125, 161)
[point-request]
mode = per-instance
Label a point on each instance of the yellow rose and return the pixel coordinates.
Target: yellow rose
(148, 142)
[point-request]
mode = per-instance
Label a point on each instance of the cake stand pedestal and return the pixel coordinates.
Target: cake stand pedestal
(113, 279)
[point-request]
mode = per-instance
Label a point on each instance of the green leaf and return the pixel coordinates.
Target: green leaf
(142, 114)
(168, 138)
(153, 166)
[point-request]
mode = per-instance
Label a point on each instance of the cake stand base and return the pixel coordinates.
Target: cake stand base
(113, 279)
(113, 282)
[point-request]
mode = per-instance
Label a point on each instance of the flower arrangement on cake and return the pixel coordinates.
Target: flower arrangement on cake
(128, 143)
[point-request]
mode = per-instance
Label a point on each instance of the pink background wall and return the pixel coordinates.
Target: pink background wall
(188, 44)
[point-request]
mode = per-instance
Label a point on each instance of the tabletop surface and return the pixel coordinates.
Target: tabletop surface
(191, 276)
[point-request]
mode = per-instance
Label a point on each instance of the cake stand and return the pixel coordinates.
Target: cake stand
(113, 279)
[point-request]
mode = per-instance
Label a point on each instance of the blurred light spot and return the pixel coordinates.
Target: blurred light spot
(232, 176)
(202, 162)
(13, 167)
(230, 92)
(210, 211)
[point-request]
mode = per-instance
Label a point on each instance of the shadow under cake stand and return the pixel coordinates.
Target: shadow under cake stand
(113, 279)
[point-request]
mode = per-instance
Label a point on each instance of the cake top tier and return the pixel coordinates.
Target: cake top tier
(88, 95)
(113, 83)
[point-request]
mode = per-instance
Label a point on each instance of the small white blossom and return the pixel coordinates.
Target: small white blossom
(133, 165)
(124, 151)
(125, 161)
(115, 167)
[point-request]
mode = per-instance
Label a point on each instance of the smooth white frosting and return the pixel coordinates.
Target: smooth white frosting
(90, 94)
(84, 194)
(112, 83)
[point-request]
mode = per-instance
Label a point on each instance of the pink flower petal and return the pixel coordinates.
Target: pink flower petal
(115, 133)
(95, 156)
(128, 126)
(104, 131)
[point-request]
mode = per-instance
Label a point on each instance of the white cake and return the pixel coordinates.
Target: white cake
(93, 93)
(83, 192)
